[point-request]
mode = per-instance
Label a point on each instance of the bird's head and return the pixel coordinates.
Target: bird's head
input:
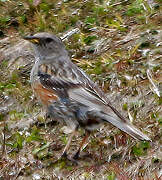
(47, 46)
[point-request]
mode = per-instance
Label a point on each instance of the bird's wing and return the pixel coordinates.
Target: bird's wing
(77, 86)
(88, 95)
(75, 91)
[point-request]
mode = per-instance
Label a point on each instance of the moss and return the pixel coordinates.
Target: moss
(34, 135)
(125, 107)
(111, 176)
(141, 148)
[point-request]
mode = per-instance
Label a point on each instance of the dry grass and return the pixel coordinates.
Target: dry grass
(118, 43)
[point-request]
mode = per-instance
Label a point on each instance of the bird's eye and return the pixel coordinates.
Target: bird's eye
(48, 40)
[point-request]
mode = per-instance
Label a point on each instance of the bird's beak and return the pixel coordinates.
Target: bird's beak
(32, 39)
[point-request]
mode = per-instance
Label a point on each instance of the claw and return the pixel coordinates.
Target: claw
(64, 155)
(76, 156)
(74, 161)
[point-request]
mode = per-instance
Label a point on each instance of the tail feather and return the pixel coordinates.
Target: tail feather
(125, 126)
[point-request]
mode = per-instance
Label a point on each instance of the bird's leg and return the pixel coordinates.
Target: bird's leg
(76, 156)
(64, 154)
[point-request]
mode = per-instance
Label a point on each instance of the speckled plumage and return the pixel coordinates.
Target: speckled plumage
(68, 93)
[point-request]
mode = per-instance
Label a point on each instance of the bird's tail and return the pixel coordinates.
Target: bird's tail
(125, 126)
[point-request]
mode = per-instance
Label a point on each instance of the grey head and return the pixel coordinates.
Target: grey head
(48, 47)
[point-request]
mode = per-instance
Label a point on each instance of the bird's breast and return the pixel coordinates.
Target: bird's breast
(44, 95)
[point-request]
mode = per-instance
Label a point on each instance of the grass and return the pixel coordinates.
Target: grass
(111, 47)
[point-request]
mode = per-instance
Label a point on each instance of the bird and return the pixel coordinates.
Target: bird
(68, 93)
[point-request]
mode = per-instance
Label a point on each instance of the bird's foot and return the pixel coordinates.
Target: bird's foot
(76, 155)
(65, 157)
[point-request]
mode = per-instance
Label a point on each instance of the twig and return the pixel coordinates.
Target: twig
(155, 88)
(4, 138)
(70, 33)
(121, 2)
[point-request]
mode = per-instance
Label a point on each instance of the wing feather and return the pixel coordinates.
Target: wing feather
(90, 96)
